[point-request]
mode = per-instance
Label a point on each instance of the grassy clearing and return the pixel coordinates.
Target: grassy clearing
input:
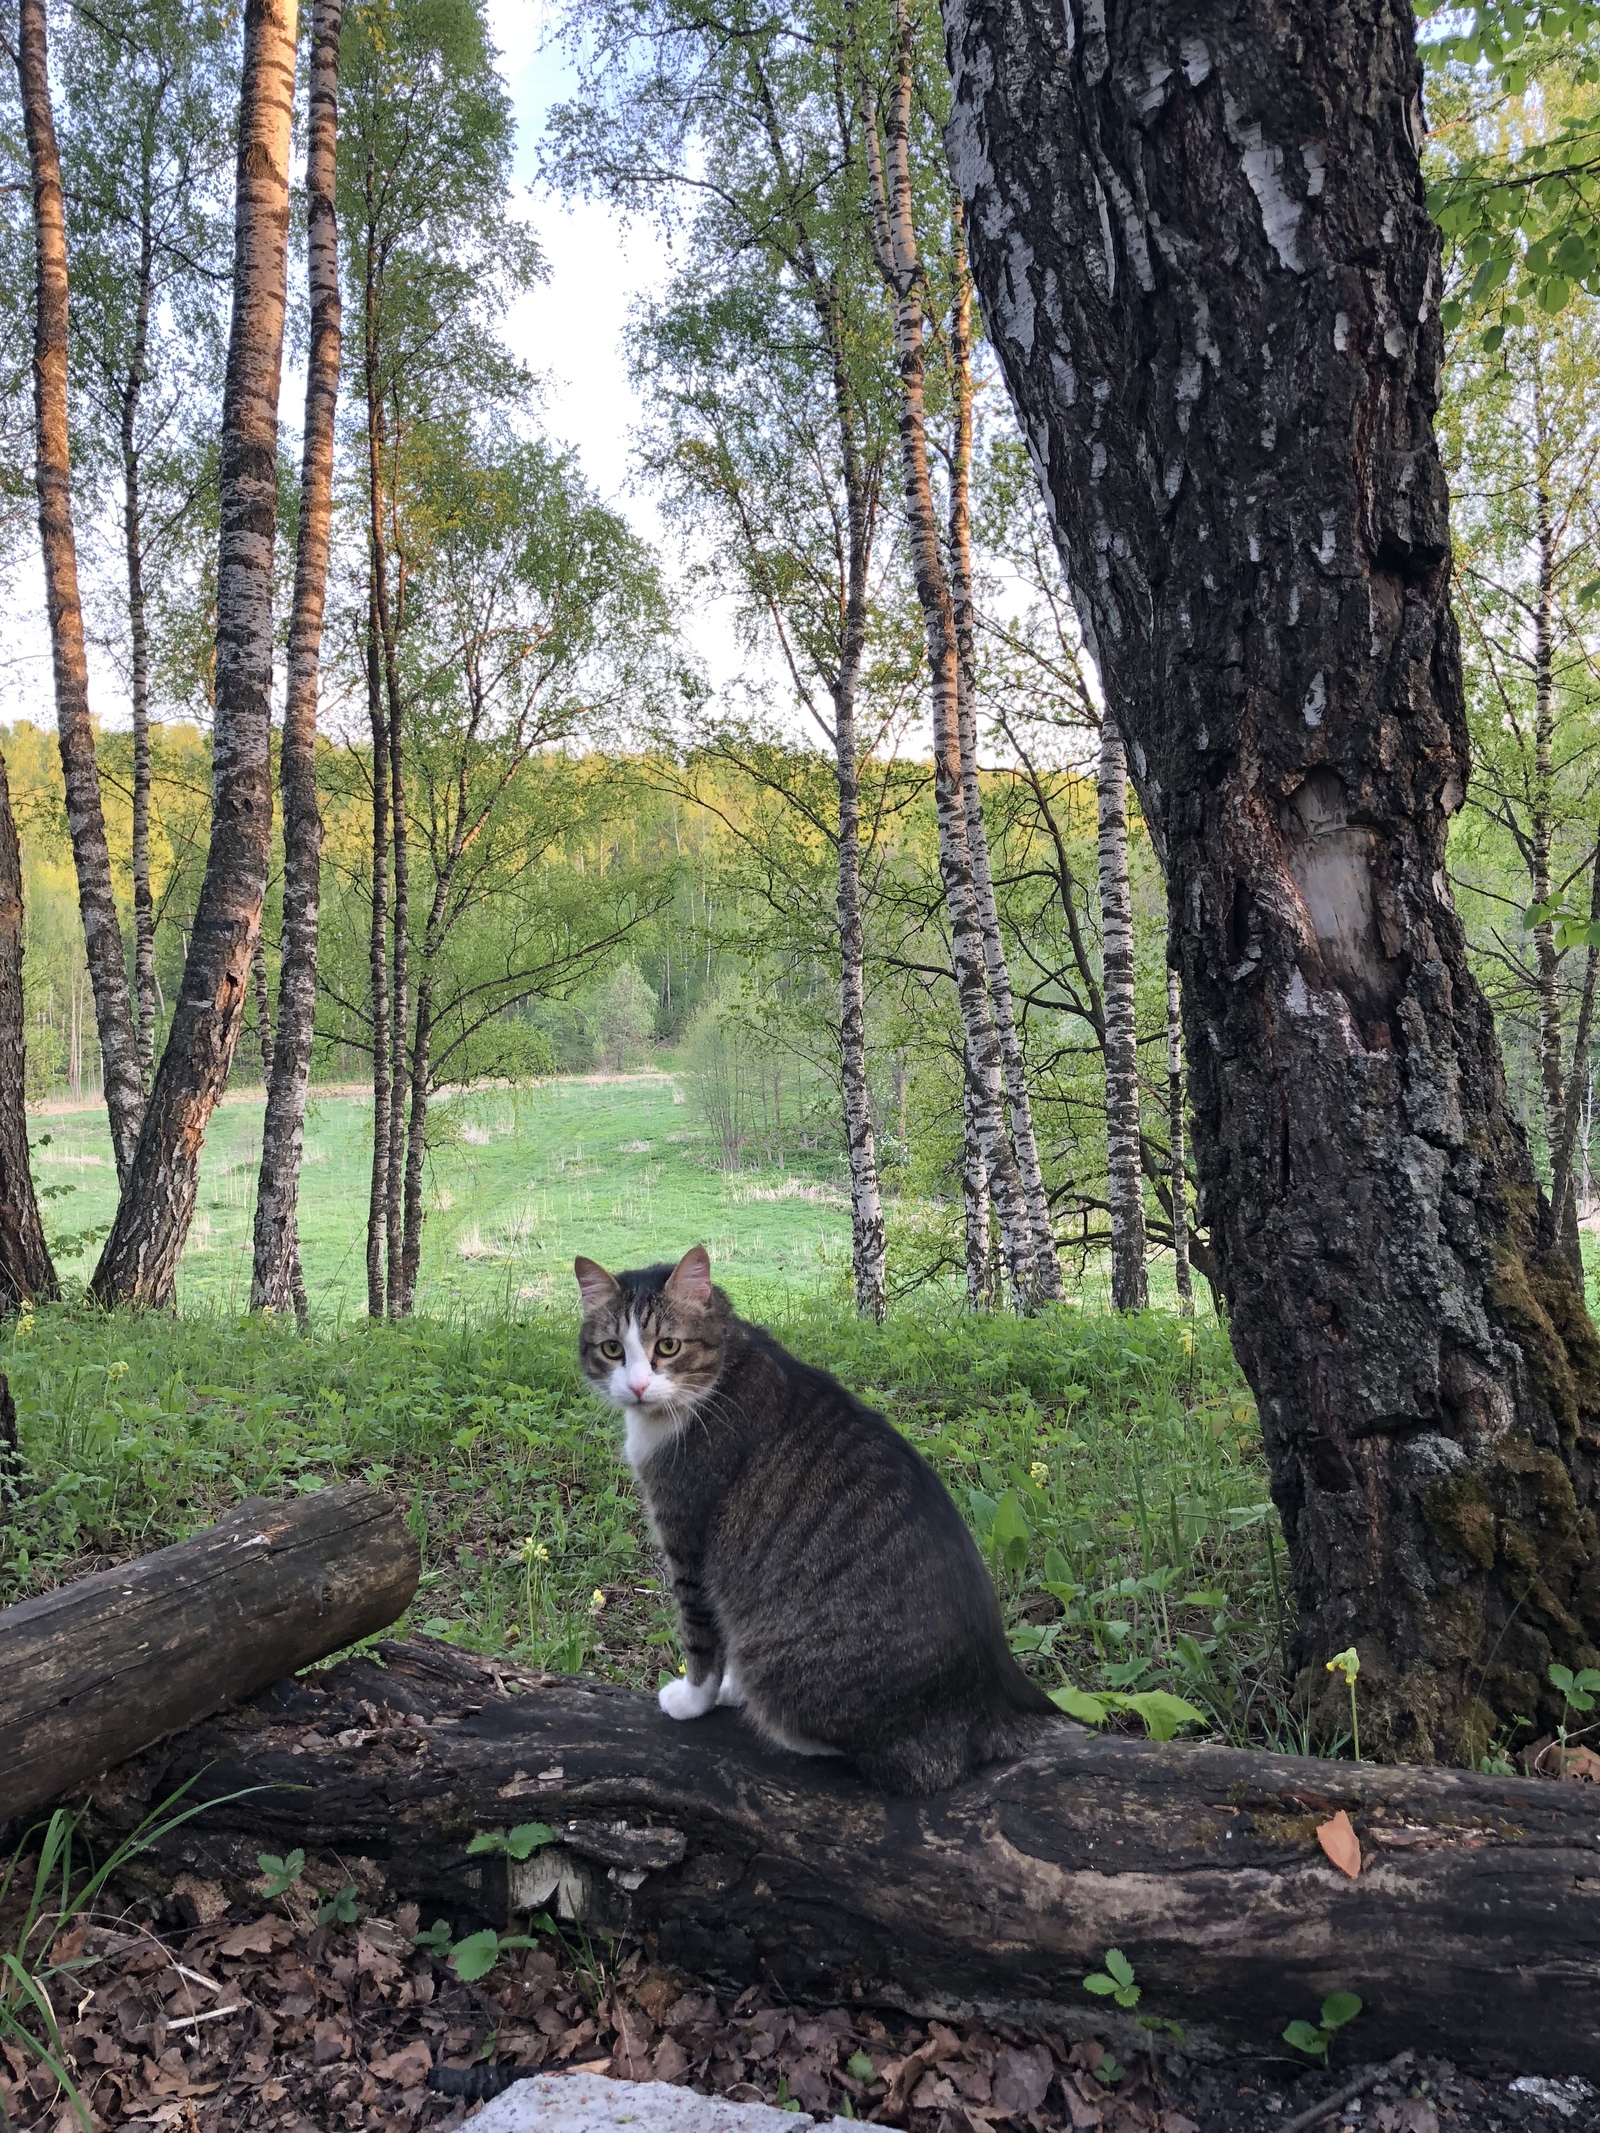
(1111, 1466)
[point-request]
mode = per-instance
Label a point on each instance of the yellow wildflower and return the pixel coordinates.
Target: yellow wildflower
(1039, 1474)
(1346, 1663)
(597, 1602)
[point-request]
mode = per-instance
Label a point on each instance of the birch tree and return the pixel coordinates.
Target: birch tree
(139, 1263)
(102, 932)
(275, 1278)
(1129, 1283)
(1259, 548)
(26, 1272)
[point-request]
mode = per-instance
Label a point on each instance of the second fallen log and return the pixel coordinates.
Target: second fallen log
(96, 1670)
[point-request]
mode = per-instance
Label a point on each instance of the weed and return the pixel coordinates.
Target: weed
(1578, 1692)
(1115, 1982)
(278, 1876)
(1348, 1664)
(1338, 2009)
(519, 1843)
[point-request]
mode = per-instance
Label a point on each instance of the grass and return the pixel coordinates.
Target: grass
(1111, 1467)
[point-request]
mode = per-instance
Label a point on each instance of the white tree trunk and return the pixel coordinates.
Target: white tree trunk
(1179, 1186)
(1129, 1285)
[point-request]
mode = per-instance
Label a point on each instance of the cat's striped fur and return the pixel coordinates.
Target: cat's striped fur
(824, 1578)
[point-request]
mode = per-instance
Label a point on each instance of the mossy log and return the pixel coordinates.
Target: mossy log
(96, 1670)
(1473, 1927)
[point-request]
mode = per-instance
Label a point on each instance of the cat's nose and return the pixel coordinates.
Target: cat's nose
(639, 1381)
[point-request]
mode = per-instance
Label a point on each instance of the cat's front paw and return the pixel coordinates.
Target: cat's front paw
(684, 1698)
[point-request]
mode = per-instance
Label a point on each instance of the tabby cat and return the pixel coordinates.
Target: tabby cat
(824, 1578)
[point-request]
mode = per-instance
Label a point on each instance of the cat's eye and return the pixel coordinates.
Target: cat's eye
(612, 1351)
(668, 1346)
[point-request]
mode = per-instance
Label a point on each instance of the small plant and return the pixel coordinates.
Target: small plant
(1349, 1664)
(1578, 1692)
(341, 1908)
(278, 1876)
(477, 1955)
(1115, 1982)
(860, 2068)
(519, 1843)
(1338, 2009)
(1108, 2073)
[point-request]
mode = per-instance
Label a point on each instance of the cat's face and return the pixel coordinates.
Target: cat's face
(652, 1340)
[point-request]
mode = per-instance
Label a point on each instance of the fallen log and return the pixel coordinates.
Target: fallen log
(97, 1670)
(1473, 1927)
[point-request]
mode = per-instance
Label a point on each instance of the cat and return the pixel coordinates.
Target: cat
(824, 1579)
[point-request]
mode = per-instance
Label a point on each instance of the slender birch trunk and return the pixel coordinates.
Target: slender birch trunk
(274, 1282)
(102, 931)
(975, 1206)
(140, 1260)
(1563, 1201)
(378, 972)
(262, 992)
(144, 911)
(1178, 1170)
(1541, 826)
(1025, 1147)
(26, 1273)
(895, 246)
(399, 988)
(1129, 1284)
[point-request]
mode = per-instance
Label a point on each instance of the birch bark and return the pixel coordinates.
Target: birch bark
(1177, 1170)
(273, 1285)
(140, 1260)
(1225, 206)
(97, 903)
(895, 248)
(144, 911)
(1046, 1262)
(1130, 1290)
(26, 1273)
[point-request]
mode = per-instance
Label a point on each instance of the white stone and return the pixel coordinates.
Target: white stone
(593, 2103)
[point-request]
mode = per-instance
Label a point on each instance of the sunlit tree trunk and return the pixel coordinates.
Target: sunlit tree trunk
(97, 903)
(274, 1279)
(378, 972)
(26, 1272)
(1177, 1170)
(140, 1260)
(895, 246)
(1025, 1147)
(1125, 1188)
(1541, 824)
(976, 1220)
(144, 911)
(1202, 243)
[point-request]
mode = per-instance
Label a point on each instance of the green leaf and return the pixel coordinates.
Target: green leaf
(528, 1838)
(1162, 1712)
(487, 1840)
(1339, 2008)
(475, 1956)
(1308, 2040)
(341, 1907)
(1079, 1704)
(1560, 1678)
(1554, 295)
(1119, 1966)
(436, 1940)
(1490, 338)
(1099, 1984)
(1056, 1571)
(860, 2068)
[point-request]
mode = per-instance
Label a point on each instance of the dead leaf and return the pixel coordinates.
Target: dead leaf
(410, 2067)
(671, 2061)
(330, 2041)
(264, 1936)
(1339, 1840)
(1412, 2114)
(1582, 1764)
(1021, 2079)
(933, 2093)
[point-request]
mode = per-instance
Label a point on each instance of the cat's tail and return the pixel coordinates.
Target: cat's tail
(1020, 1718)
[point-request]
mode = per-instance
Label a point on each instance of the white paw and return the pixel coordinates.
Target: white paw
(684, 1698)
(730, 1691)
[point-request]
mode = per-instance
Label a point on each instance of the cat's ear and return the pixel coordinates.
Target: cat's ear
(690, 1279)
(595, 1285)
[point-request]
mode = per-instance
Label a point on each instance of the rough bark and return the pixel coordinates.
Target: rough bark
(899, 261)
(140, 1260)
(378, 971)
(1201, 1863)
(1130, 1290)
(1541, 826)
(26, 1271)
(1177, 1168)
(273, 1284)
(97, 903)
(1200, 238)
(975, 1210)
(399, 976)
(99, 1669)
(1563, 1200)
(1041, 1231)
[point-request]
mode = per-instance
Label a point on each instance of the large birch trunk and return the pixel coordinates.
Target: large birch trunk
(1225, 204)
(273, 1285)
(895, 246)
(140, 1260)
(976, 1223)
(26, 1272)
(1024, 1144)
(97, 903)
(1125, 1187)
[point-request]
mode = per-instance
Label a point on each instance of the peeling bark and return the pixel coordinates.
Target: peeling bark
(975, 1208)
(1177, 1169)
(1130, 1288)
(26, 1272)
(273, 1285)
(1200, 238)
(140, 1260)
(97, 903)
(132, 392)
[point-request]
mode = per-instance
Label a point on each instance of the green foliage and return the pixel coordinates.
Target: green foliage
(1116, 1981)
(280, 1875)
(519, 1843)
(341, 1908)
(1313, 2038)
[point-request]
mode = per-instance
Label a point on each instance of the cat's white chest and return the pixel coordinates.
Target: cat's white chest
(643, 1435)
